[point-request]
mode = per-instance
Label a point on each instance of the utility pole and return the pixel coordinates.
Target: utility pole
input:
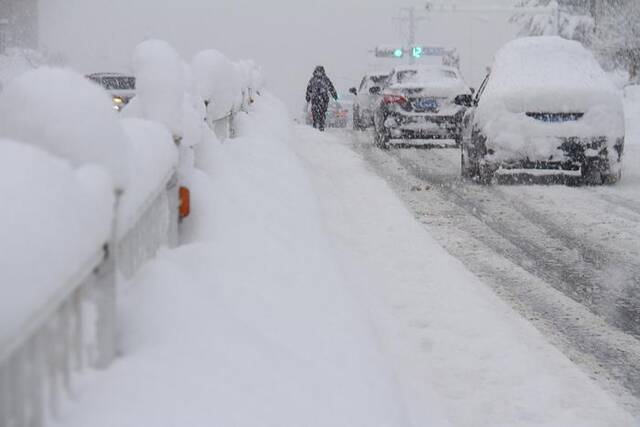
(411, 20)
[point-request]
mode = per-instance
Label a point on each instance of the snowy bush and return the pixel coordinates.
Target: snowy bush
(571, 22)
(66, 115)
(617, 39)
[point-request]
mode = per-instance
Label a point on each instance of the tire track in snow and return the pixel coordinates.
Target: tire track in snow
(511, 264)
(581, 269)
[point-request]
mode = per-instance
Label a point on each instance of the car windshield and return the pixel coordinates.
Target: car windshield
(414, 76)
(117, 83)
(378, 79)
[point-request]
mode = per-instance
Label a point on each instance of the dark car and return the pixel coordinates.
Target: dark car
(421, 103)
(121, 87)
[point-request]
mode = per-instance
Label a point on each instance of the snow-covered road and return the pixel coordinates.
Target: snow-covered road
(566, 258)
(307, 294)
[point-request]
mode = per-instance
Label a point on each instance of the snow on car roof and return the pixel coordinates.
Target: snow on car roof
(425, 68)
(540, 72)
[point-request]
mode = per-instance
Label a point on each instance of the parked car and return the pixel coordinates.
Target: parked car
(121, 87)
(338, 113)
(546, 105)
(365, 99)
(420, 102)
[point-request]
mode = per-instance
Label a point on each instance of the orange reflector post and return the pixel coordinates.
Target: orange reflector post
(185, 202)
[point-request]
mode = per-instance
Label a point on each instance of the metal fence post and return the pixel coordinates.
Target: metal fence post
(232, 124)
(174, 211)
(106, 297)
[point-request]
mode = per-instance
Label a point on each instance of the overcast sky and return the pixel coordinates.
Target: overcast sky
(287, 37)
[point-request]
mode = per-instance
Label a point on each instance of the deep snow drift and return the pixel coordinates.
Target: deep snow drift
(306, 294)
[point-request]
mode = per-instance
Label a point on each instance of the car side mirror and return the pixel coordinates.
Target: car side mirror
(353, 90)
(464, 100)
(375, 90)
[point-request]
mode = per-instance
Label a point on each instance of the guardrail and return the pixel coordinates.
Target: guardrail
(225, 127)
(76, 329)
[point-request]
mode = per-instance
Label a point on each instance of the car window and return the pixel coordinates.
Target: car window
(118, 83)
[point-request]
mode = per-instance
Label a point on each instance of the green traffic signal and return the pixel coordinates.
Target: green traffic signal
(398, 53)
(417, 52)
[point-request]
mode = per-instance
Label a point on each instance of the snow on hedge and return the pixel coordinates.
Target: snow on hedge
(54, 218)
(66, 115)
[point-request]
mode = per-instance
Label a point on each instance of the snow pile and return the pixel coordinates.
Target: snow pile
(54, 218)
(66, 115)
(251, 324)
(154, 157)
(219, 82)
(160, 85)
(546, 75)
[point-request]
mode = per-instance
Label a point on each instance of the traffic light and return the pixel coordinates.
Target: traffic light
(417, 52)
(398, 53)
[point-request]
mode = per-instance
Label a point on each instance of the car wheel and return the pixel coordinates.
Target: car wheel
(591, 174)
(469, 168)
(458, 140)
(485, 175)
(612, 178)
(357, 121)
(380, 139)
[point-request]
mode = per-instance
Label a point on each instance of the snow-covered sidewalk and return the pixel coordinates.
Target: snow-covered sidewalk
(307, 295)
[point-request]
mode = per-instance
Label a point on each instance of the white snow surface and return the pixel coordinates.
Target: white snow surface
(307, 294)
(153, 159)
(54, 220)
(218, 81)
(433, 81)
(546, 75)
(161, 84)
(66, 115)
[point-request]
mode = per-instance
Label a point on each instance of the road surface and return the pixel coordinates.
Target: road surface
(566, 258)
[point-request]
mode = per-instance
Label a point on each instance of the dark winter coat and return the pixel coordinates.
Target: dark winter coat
(320, 88)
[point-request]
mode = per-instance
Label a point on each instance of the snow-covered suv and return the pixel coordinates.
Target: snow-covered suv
(546, 107)
(420, 102)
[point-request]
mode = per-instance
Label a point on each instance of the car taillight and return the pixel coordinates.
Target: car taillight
(184, 195)
(394, 99)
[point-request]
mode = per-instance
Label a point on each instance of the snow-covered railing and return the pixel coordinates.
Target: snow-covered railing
(155, 226)
(76, 328)
(66, 316)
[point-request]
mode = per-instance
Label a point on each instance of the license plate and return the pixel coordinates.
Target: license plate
(427, 104)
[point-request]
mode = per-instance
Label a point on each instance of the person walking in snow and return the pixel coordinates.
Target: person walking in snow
(318, 92)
